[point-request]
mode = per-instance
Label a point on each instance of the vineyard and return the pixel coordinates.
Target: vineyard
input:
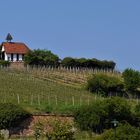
(74, 77)
(50, 90)
(46, 89)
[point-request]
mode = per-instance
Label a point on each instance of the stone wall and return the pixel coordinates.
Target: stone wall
(26, 128)
(17, 65)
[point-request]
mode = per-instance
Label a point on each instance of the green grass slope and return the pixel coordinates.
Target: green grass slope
(36, 93)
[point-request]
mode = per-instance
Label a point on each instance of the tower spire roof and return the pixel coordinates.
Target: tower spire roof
(9, 37)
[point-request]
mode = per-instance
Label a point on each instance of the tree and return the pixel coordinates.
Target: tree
(88, 63)
(11, 115)
(118, 109)
(123, 132)
(91, 117)
(68, 62)
(41, 58)
(104, 84)
(9, 37)
(99, 115)
(131, 80)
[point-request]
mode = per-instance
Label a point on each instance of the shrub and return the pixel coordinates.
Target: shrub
(104, 84)
(123, 132)
(4, 63)
(119, 109)
(55, 129)
(38, 130)
(91, 117)
(137, 110)
(11, 115)
(136, 114)
(131, 80)
(61, 130)
(99, 115)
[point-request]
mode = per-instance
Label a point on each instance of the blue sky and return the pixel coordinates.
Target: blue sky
(102, 29)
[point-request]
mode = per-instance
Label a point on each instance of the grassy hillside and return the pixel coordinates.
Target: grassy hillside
(37, 93)
(45, 89)
(48, 90)
(74, 77)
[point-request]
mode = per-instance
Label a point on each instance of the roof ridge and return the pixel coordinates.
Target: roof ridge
(14, 42)
(15, 47)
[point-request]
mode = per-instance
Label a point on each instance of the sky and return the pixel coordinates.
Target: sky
(102, 29)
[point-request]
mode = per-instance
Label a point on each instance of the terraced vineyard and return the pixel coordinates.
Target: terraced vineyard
(74, 77)
(36, 92)
(40, 89)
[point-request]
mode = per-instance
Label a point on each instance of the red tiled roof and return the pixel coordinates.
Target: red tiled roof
(15, 47)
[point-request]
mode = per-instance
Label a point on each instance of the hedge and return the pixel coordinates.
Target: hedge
(11, 115)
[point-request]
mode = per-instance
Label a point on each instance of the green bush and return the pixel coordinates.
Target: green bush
(104, 84)
(91, 117)
(123, 132)
(11, 115)
(56, 129)
(41, 58)
(131, 80)
(61, 130)
(99, 115)
(119, 109)
(4, 63)
(137, 110)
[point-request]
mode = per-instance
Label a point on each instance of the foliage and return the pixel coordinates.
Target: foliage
(11, 115)
(91, 117)
(99, 115)
(87, 63)
(68, 62)
(131, 79)
(60, 131)
(123, 132)
(119, 109)
(104, 84)
(137, 110)
(56, 129)
(38, 130)
(44, 57)
(41, 58)
(47, 58)
(4, 63)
